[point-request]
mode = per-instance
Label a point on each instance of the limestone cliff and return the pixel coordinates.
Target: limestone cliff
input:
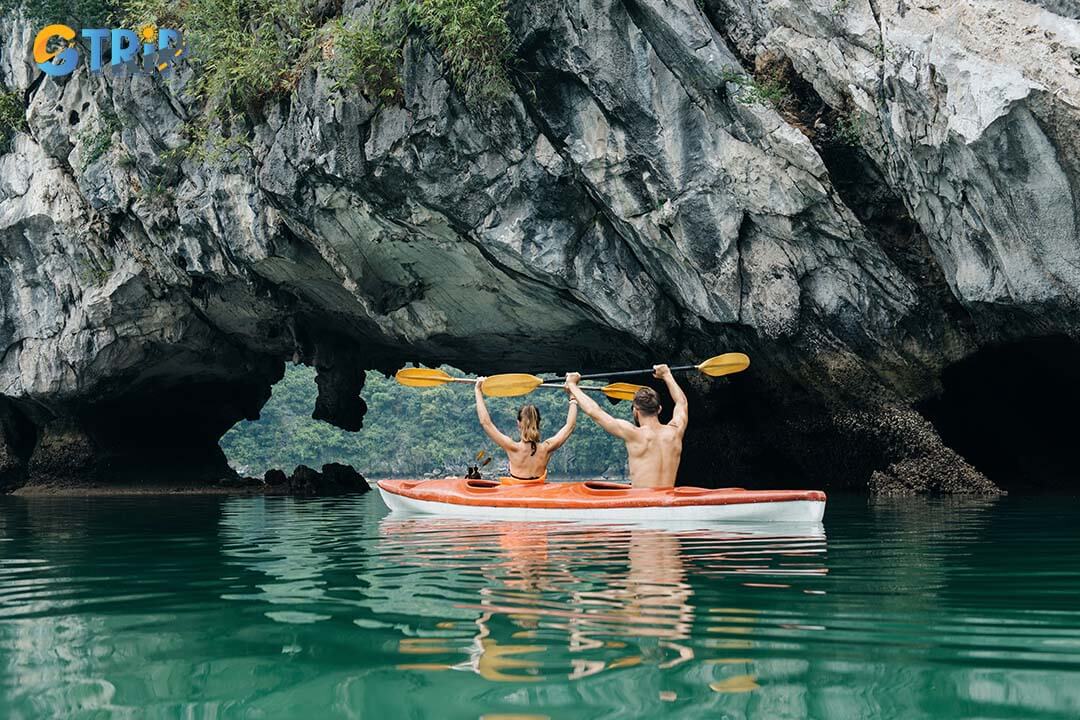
(908, 200)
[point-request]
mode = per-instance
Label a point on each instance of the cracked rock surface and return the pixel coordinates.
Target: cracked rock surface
(915, 200)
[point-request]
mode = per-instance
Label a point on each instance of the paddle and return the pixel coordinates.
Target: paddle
(615, 391)
(426, 377)
(505, 385)
(718, 366)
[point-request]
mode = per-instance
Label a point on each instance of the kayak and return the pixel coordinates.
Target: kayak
(488, 499)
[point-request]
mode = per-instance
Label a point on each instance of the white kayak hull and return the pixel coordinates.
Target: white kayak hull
(810, 511)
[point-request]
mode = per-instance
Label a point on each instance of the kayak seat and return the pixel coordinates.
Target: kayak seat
(605, 486)
(481, 484)
(523, 481)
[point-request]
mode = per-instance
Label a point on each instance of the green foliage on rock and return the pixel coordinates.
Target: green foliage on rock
(409, 432)
(247, 51)
(471, 35)
(366, 54)
(473, 38)
(848, 129)
(244, 51)
(766, 90)
(840, 6)
(12, 118)
(97, 140)
(85, 13)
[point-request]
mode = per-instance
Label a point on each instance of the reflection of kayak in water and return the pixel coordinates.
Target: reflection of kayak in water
(458, 497)
(558, 600)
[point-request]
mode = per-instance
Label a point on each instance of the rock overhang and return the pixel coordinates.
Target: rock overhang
(634, 206)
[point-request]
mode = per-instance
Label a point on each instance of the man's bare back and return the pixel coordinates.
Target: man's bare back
(654, 454)
(653, 448)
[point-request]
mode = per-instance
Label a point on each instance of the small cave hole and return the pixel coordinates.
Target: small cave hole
(1009, 411)
(73, 117)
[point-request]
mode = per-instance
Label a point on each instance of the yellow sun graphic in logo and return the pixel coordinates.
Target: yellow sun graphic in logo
(148, 33)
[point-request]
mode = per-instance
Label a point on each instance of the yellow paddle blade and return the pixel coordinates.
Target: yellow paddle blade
(422, 377)
(511, 385)
(725, 364)
(621, 390)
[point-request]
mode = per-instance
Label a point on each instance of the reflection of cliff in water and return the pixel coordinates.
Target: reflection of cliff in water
(295, 549)
(94, 591)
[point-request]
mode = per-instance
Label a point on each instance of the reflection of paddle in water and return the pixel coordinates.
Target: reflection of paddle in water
(737, 684)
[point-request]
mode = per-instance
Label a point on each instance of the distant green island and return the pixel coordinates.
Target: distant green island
(409, 432)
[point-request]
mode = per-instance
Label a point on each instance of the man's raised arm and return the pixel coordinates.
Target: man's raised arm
(557, 440)
(618, 428)
(680, 415)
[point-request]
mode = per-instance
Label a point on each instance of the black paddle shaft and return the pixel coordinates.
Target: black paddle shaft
(624, 373)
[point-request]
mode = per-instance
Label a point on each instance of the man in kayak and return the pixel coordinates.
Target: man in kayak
(654, 449)
(528, 456)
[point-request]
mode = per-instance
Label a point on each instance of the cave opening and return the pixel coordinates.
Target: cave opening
(411, 432)
(1009, 411)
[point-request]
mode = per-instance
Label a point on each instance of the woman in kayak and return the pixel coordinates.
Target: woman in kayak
(529, 455)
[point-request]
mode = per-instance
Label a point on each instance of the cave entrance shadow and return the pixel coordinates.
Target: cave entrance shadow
(1011, 411)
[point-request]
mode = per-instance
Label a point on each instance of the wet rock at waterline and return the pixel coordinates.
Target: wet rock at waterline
(343, 478)
(240, 484)
(335, 479)
(275, 478)
(859, 195)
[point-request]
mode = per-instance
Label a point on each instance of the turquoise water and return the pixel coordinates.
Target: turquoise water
(177, 607)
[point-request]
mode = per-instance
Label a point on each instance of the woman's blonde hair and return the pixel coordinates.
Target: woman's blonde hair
(529, 418)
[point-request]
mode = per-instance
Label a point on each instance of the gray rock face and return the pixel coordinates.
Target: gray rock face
(914, 200)
(1065, 8)
(964, 106)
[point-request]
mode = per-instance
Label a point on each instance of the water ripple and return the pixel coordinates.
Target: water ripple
(272, 607)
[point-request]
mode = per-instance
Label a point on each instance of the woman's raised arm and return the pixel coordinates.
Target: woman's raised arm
(485, 419)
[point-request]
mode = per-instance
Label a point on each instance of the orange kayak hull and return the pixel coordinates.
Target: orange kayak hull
(458, 497)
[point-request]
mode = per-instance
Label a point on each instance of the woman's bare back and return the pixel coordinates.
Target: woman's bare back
(524, 463)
